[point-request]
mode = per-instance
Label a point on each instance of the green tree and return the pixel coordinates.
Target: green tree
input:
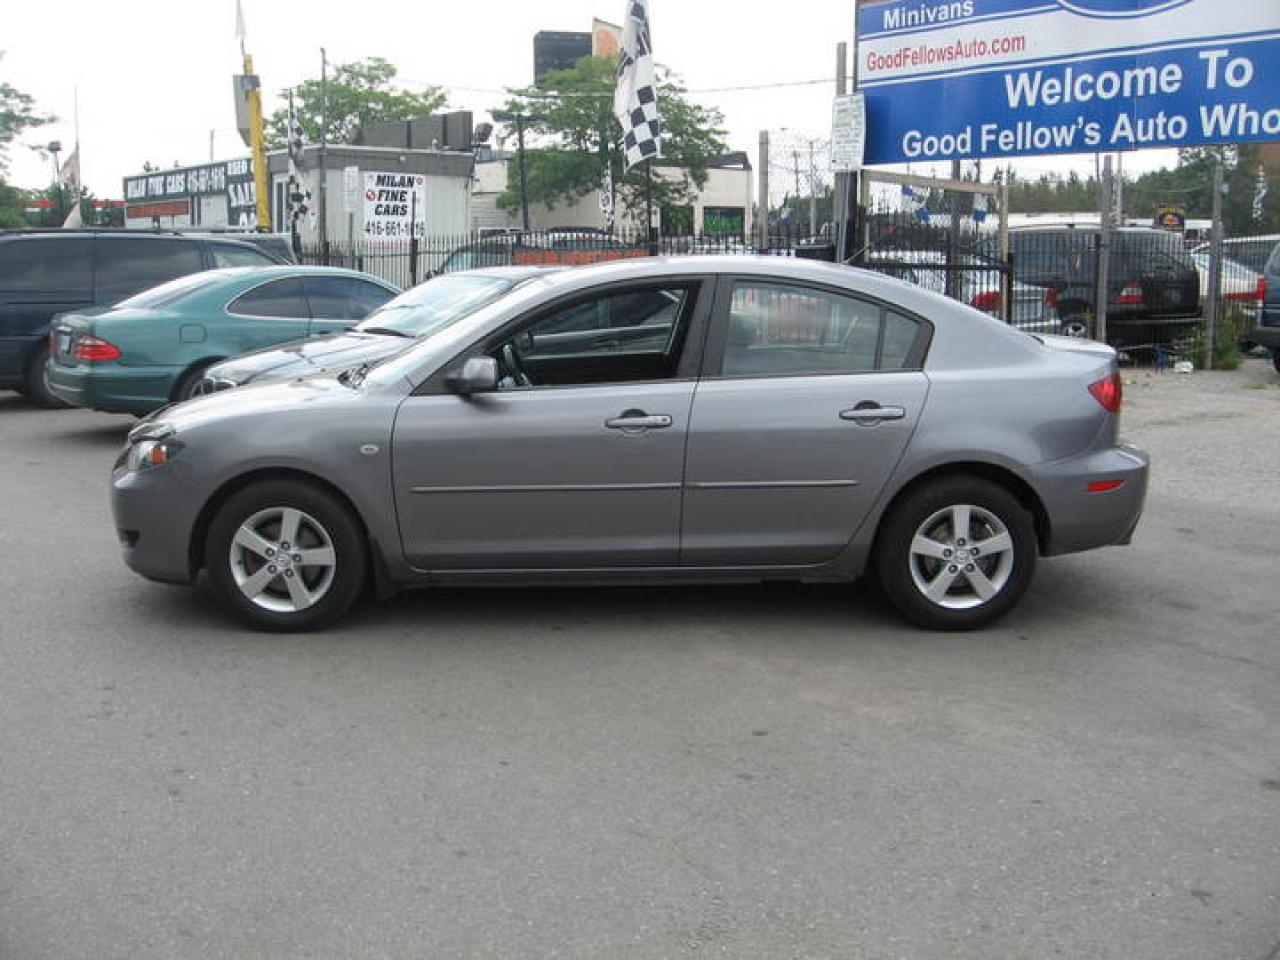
(359, 94)
(580, 140)
(17, 113)
(13, 203)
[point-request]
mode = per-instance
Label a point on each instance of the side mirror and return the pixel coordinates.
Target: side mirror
(476, 375)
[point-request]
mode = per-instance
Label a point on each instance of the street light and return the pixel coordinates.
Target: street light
(520, 119)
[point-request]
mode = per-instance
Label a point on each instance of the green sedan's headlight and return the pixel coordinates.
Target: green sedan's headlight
(146, 454)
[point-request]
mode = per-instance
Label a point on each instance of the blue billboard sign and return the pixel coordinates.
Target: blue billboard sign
(946, 79)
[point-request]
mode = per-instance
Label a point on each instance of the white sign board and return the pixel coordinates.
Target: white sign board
(394, 206)
(848, 132)
(350, 189)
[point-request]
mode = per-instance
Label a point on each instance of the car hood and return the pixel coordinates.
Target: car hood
(256, 400)
(314, 355)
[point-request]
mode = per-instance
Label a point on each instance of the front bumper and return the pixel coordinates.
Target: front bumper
(113, 388)
(155, 514)
(1081, 520)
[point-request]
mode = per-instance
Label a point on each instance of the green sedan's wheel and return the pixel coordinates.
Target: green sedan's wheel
(957, 553)
(188, 385)
(37, 382)
(286, 556)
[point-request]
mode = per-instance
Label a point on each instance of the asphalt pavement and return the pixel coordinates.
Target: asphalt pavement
(745, 772)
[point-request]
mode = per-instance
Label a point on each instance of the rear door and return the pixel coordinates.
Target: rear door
(806, 405)
(129, 265)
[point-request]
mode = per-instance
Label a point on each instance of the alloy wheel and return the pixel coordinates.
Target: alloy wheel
(961, 557)
(283, 560)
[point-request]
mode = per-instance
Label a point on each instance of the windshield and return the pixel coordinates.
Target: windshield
(435, 305)
(171, 292)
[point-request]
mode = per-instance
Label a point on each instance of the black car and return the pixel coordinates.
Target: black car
(47, 272)
(1153, 288)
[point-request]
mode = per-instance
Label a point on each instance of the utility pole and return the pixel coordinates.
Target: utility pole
(953, 239)
(813, 194)
(520, 119)
(252, 87)
(324, 165)
(1214, 293)
(762, 228)
(840, 197)
(1106, 215)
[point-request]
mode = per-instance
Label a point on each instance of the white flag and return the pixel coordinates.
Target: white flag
(1260, 192)
(240, 31)
(635, 98)
(69, 172)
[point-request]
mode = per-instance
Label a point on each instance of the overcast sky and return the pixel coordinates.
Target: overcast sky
(154, 75)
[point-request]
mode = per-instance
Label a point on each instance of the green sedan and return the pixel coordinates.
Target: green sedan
(151, 349)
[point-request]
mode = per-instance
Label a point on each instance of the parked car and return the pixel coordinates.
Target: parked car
(1267, 332)
(1253, 252)
(152, 349)
(980, 284)
(46, 272)
(278, 245)
(388, 330)
(1153, 287)
(685, 419)
(564, 248)
(1240, 284)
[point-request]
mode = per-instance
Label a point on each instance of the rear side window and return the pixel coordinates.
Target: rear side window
(279, 298)
(127, 265)
(343, 298)
(47, 265)
(230, 255)
(1273, 265)
(786, 331)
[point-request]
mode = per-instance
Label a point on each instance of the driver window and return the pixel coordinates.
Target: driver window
(627, 335)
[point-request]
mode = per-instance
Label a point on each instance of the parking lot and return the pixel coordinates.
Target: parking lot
(772, 772)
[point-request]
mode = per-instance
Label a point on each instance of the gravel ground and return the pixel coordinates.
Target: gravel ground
(781, 772)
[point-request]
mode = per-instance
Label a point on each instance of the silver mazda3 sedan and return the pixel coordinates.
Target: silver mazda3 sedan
(661, 420)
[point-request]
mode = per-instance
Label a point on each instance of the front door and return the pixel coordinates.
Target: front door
(810, 398)
(576, 461)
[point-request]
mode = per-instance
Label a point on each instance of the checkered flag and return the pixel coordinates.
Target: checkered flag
(635, 99)
(298, 195)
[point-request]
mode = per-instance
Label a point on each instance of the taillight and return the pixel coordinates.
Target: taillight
(988, 301)
(1131, 293)
(91, 348)
(1109, 392)
(1258, 294)
(1051, 299)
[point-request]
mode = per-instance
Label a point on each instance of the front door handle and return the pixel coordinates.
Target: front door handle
(869, 412)
(639, 420)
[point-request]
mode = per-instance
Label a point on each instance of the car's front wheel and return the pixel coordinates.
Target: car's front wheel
(957, 553)
(286, 555)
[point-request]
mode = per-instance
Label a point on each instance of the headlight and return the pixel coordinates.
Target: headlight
(146, 454)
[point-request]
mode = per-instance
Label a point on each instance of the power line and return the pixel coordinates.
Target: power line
(573, 95)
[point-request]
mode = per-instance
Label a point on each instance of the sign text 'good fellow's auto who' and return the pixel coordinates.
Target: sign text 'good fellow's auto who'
(1002, 78)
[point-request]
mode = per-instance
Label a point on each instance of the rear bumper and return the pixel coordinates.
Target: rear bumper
(1081, 520)
(1267, 336)
(113, 389)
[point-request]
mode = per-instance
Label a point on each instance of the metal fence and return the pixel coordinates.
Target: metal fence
(1046, 282)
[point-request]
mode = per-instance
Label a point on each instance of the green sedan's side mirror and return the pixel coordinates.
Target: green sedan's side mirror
(476, 375)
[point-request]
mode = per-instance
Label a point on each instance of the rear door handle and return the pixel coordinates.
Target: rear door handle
(639, 420)
(870, 412)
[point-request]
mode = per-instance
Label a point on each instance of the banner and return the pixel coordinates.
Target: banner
(948, 79)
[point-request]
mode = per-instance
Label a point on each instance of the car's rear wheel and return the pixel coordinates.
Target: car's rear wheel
(286, 555)
(957, 553)
(37, 383)
(188, 385)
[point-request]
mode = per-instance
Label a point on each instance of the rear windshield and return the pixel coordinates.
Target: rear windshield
(434, 305)
(169, 293)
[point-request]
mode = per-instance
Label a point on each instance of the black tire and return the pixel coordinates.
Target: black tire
(1275, 358)
(186, 386)
(36, 389)
(336, 586)
(905, 573)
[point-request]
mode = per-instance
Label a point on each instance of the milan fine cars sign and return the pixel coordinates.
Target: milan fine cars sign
(1001, 78)
(394, 206)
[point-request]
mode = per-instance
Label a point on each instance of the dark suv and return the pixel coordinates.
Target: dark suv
(44, 273)
(1153, 289)
(1267, 332)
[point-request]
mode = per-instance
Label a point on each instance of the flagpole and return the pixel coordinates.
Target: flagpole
(648, 207)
